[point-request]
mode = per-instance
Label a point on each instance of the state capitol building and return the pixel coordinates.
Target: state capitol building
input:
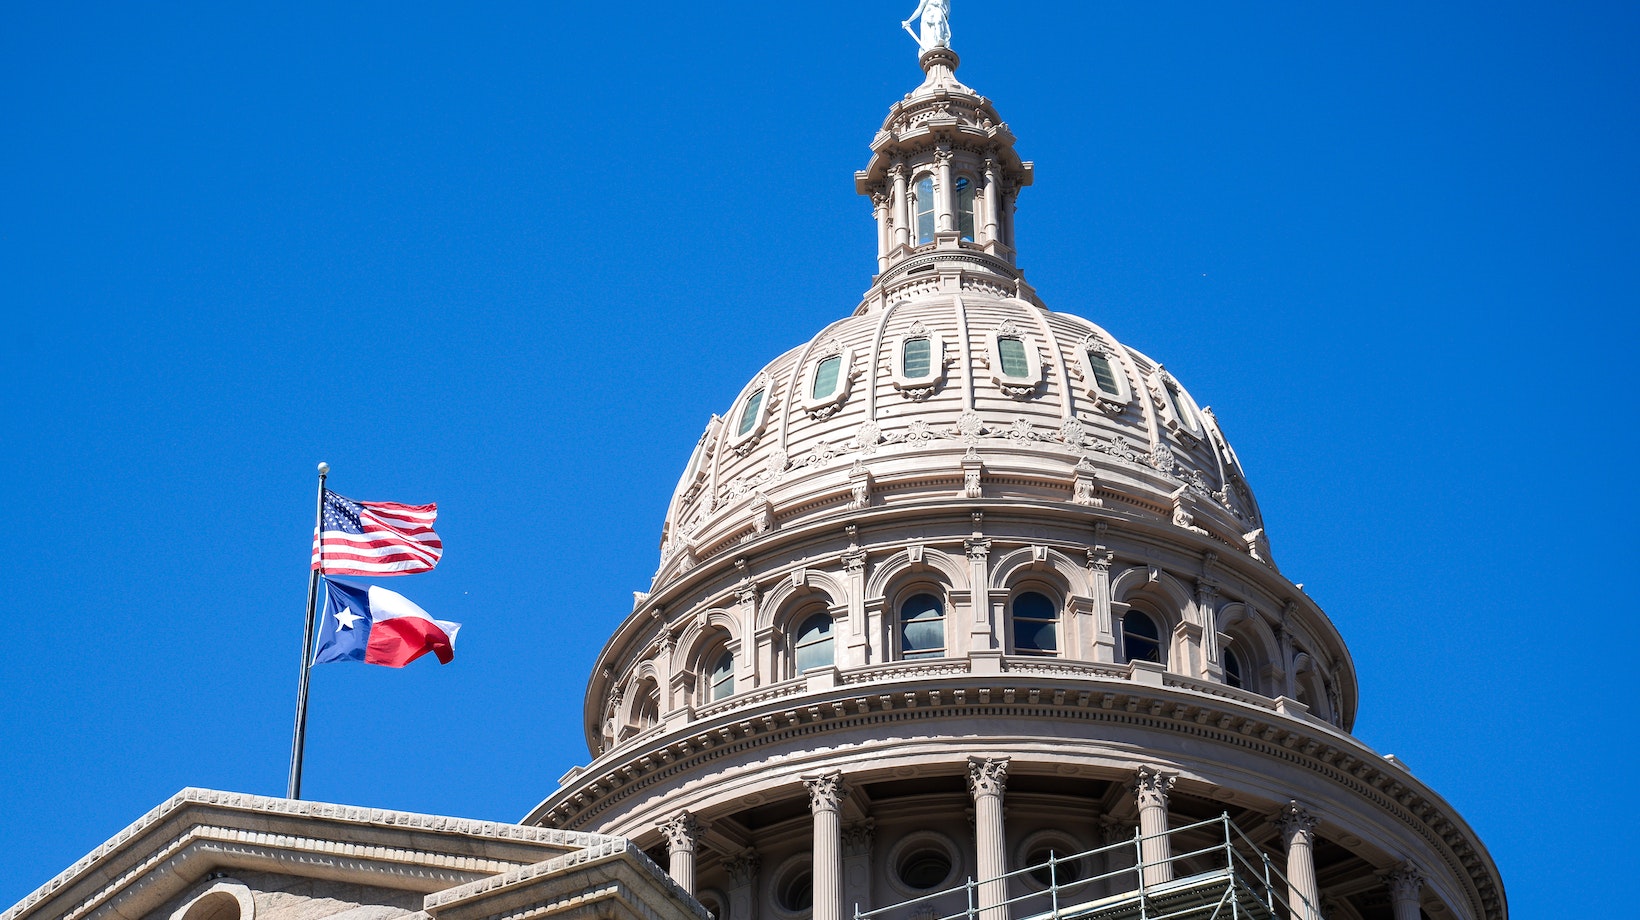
(964, 609)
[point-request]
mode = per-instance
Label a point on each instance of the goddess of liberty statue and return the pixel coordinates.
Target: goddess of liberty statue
(936, 24)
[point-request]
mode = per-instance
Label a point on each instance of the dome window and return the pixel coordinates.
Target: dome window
(721, 682)
(1102, 378)
(753, 414)
(1141, 639)
(813, 645)
(1036, 624)
(749, 414)
(1232, 670)
(1183, 416)
(1015, 364)
(828, 380)
(919, 365)
(965, 208)
(922, 209)
(922, 627)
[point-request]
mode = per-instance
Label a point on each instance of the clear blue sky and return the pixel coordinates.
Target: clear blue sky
(511, 257)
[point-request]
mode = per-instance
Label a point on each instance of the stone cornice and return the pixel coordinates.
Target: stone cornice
(1179, 705)
(610, 880)
(198, 831)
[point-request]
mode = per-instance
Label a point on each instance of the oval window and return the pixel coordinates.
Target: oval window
(1012, 353)
(796, 892)
(917, 360)
(825, 377)
(748, 414)
(924, 868)
(1050, 867)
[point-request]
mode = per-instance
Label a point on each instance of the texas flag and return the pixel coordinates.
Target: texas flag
(377, 626)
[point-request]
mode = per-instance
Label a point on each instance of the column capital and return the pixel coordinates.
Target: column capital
(826, 791)
(1404, 882)
(743, 868)
(1295, 820)
(858, 836)
(1151, 786)
(682, 831)
(987, 775)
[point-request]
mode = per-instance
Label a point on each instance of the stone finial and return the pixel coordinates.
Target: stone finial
(1151, 786)
(682, 831)
(987, 775)
(826, 791)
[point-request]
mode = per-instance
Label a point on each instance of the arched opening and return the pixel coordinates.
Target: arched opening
(813, 646)
(1234, 672)
(749, 414)
(720, 680)
(922, 627)
(825, 377)
(922, 209)
(965, 208)
(1141, 637)
(1036, 624)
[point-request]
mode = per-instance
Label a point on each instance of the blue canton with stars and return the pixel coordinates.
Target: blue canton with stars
(341, 514)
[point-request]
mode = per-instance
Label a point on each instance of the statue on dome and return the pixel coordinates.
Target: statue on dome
(936, 24)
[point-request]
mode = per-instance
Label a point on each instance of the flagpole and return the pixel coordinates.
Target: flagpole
(299, 741)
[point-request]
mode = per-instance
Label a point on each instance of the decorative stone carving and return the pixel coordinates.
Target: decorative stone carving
(987, 776)
(682, 832)
(1294, 820)
(859, 486)
(1404, 882)
(858, 837)
(1084, 485)
(867, 437)
(826, 792)
(972, 473)
(742, 869)
(1151, 787)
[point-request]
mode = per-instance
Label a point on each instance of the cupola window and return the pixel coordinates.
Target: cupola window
(814, 643)
(918, 361)
(825, 377)
(1141, 640)
(1180, 406)
(721, 681)
(749, 414)
(1232, 670)
(965, 208)
(1104, 376)
(922, 202)
(1012, 352)
(922, 627)
(1036, 622)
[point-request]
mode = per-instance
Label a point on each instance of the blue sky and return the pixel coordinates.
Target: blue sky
(511, 257)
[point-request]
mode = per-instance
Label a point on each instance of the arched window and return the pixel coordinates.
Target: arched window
(721, 681)
(1036, 624)
(1232, 669)
(918, 355)
(825, 377)
(1141, 639)
(922, 204)
(749, 413)
(1104, 376)
(965, 208)
(814, 643)
(922, 627)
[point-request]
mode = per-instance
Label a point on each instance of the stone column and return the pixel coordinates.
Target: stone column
(981, 631)
(879, 210)
(901, 206)
(993, 200)
(1151, 787)
(826, 794)
(857, 840)
(682, 833)
(986, 780)
(858, 646)
(945, 192)
(742, 871)
(1405, 886)
(1104, 621)
(1298, 833)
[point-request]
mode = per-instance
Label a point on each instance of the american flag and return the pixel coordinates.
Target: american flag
(375, 538)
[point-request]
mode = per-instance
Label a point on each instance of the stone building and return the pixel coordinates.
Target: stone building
(964, 608)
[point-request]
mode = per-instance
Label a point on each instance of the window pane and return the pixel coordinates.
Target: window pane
(1142, 649)
(1035, 636)
(814, 643)
(965, 209)
(922, 627)
(1012, 352)
(918, 353)
(825, 377)
(1175, 402)
(924, 203)
(1232, 669)
(748, 415)
(1140, 625)
(1034, 606)
(723, 677)
(1103, 374)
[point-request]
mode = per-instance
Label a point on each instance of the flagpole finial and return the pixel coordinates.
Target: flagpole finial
(324, 468)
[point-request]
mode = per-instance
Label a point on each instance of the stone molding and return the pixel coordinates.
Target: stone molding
(1151, 786)
(987, 776)
(682, 832)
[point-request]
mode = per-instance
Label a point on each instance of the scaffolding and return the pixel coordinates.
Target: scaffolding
(1239, 881)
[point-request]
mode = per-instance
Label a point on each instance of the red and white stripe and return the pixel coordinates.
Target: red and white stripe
(397, 540)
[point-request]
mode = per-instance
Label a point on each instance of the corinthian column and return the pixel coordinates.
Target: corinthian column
(986, 780)
(826, 793)
(682, 832)
(1298, 833)
(742, 871)
(1405, 885)
(1155, 852)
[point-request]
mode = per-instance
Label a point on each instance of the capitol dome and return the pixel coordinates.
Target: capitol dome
(959, 546)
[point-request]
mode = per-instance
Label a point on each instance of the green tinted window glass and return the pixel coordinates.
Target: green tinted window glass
(748, 415)
(917, 358)
(1103, 373)
(825, 377)
(1012, 352)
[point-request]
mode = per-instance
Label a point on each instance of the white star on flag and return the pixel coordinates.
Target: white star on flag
(347, 618)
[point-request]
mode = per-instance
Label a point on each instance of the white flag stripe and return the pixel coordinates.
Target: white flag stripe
(388, 605)
(337, 548)
(413, 517)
